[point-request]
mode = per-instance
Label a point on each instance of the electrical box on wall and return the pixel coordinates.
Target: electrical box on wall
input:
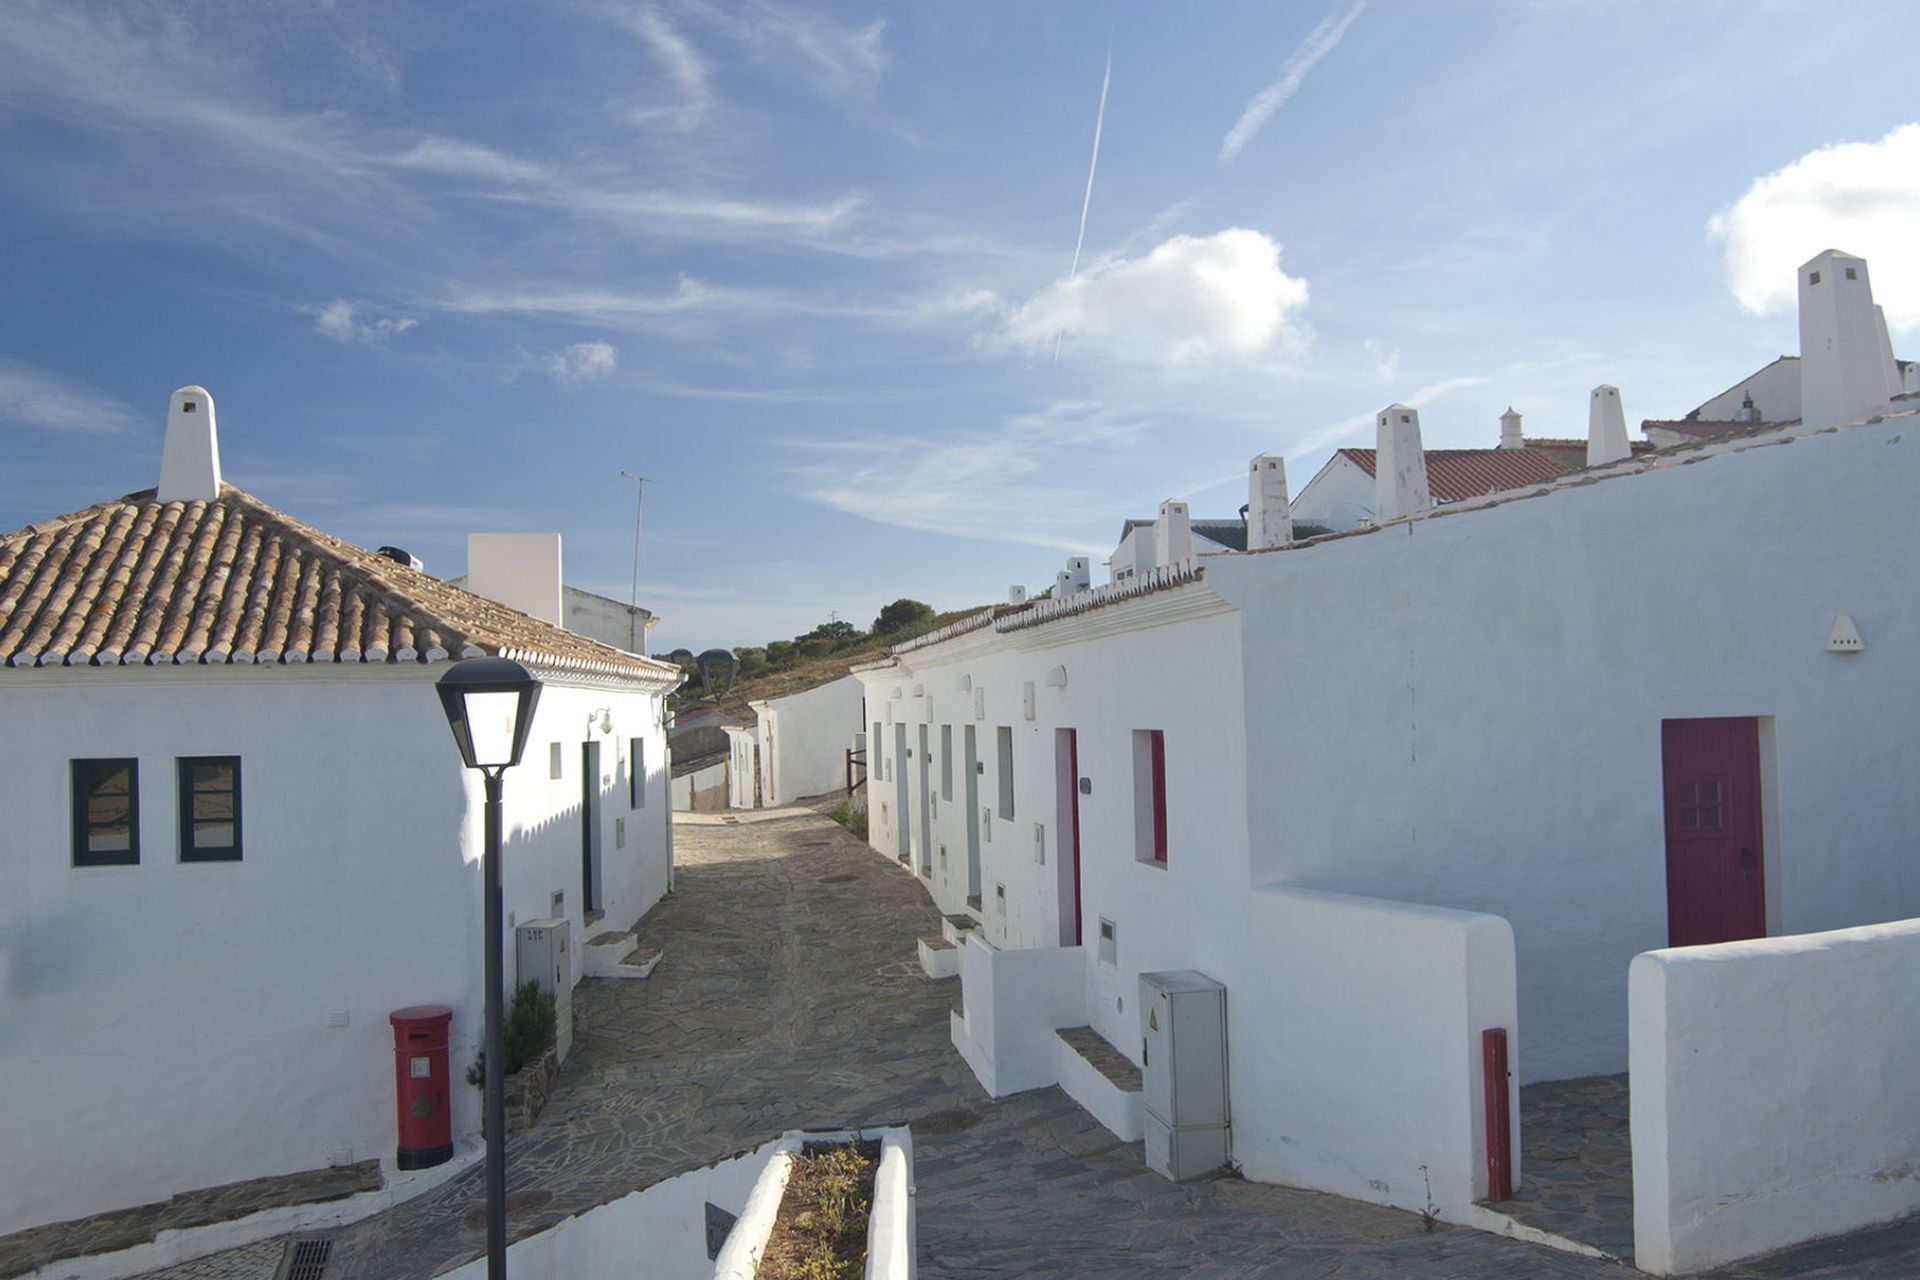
(541, 955)
(1183, 1062)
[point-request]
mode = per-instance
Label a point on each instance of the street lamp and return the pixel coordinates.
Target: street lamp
(489, 704)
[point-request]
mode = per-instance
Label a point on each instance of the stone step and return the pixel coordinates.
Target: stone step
(607, 952)
(1102, 1080)
(939, 957)
(955, 928)
(640, 964)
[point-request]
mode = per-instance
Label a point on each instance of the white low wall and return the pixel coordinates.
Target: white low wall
(1356, 1055)
(1775, 1097)
(665, 1225)
(1013, 1002)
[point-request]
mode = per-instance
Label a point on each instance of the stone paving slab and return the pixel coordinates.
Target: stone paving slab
(1576, 1163)
(793, 1000)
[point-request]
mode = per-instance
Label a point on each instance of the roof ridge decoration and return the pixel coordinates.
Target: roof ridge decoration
(1163, 578)
(232, 581)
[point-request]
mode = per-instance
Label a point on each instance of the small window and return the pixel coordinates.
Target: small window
(1852, 274)
(1004, 736)
(188, 406)
(1813, 277)
(209, 808)
(1150, 795)
(554, 756)
(106, 813)
(636, 773)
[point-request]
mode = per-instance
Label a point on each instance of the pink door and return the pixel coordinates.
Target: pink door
(1716, 890)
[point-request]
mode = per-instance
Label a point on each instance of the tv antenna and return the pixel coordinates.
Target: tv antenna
(633, 592)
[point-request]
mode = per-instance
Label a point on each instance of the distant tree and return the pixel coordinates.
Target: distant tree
(902, 615)
(780, 654)
(831, 631)
(753, 660)
(812, 647)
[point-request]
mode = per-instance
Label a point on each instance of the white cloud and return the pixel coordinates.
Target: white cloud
(691, 298)
(1008, 483)
(1293, 73)
(33, 397)
(341, 320)
(1386, 361)
(454, 158)
(581, 362)
(1347, 430)
(1860, 197)
(1190, 299)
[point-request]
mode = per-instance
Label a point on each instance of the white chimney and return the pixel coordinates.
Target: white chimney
(1510, 437)
(1399, 465)
(190, 455)
(1172, 535)
(1606, 427)
(1075, 578)
(1844, 354)
(520, 570)
(1016, 595)
(1269, 515)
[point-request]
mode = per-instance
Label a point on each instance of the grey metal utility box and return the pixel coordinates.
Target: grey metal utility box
(542, 955)
(1183, 1054)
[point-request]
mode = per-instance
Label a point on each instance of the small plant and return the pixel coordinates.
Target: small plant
(531, 1026)
(1429, 1217)
(851, 816)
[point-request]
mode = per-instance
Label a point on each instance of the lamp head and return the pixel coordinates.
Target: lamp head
(489, 704)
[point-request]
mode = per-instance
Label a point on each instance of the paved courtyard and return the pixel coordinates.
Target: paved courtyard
(788, 996)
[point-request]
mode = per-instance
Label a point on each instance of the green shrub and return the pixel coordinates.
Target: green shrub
(531, 1026)
(851, 816)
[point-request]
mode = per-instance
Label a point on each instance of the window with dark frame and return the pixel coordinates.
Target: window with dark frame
(1004, 736)
(106, 813)
(636, 773)
(209, 808)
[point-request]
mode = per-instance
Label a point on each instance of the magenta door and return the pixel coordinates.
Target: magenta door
(1716, 886)
(1066, 790)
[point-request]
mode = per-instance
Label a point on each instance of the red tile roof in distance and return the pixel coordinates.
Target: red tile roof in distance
(1456, 474)
(139, 582)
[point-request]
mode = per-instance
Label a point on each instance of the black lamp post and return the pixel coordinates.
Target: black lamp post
(489, 704)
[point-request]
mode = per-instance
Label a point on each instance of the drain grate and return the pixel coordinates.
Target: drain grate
(305, 1260)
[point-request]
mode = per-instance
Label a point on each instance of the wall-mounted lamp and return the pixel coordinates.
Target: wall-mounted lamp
(1056, 678)
(1845, 637)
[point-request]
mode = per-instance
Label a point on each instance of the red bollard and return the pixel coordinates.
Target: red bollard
(1493, 1061)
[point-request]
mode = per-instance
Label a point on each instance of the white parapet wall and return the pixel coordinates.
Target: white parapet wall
(1775, 1097)
(664, 1224)
(1364, 1038)
(1012, 1002)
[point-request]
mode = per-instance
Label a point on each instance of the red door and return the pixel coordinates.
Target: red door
(1066, 789)
(1716, 889)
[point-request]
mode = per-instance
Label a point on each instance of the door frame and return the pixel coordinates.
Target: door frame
(1066, 826)
(926, 802)
(591, 871)
(970, 761)
(1767, 776)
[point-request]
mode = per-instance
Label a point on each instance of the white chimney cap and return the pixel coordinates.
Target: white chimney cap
(190, 454)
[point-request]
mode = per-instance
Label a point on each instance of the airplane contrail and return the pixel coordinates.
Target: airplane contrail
(1086, 202)
(1318, 44)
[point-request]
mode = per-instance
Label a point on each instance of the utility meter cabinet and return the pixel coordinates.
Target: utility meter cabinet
(541, 955)
(1183, 1058)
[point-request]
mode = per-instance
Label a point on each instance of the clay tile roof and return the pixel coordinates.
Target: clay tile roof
(1457, 474)
(136, 581)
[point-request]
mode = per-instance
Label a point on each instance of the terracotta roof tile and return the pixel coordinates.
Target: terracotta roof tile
(1457, 474)
(136, 581)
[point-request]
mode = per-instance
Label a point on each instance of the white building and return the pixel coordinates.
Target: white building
(239, 834)
(1447, 773)
(802, 740)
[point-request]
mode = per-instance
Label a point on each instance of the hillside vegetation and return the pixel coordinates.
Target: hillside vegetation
(788, 666)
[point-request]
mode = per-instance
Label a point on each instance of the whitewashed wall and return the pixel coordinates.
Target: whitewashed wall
(664, 1224)
(1465, 711)
(145, 1008)
(609, 621)
(803, 740)
(1339, 497)
(1775, 389)
(1774, 1095)
(1356, 1027)
(742, 775)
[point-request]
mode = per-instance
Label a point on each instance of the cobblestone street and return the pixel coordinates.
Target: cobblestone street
(788, 996)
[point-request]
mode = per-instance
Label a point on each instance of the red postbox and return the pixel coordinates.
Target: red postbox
(421, 1089)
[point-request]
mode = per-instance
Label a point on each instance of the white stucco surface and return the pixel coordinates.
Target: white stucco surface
(664, 1224)
(1774, 1095)
(1465, 711)
(521, 570)
(1362, 1047)
(176, 1025)
(1012, 1003)
(803, 740)
(1339, 497)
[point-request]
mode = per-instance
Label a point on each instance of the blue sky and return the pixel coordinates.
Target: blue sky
(453, 267)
